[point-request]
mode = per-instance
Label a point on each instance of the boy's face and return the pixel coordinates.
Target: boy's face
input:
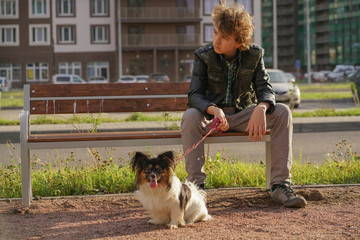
(225, 45)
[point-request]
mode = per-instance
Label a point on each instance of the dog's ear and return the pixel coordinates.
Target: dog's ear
(169, 157)
(137, 160)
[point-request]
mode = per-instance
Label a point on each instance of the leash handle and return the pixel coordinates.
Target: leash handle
(213, 127)
(215, 124)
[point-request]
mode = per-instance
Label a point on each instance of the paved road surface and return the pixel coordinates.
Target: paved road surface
(311, 146)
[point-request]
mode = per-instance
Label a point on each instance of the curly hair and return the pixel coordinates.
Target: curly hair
(234, 20)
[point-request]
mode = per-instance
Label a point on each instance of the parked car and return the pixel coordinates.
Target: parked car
(4, 87)
(290, 76)
(286, 91)
(67, 78)
(99, 79)
(318, 77)
(340, 72)
(159, 77)
(142, 78)
(127, 79)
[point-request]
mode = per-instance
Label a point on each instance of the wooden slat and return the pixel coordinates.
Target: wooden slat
(65, 137)
(108, 89)
(108, 105)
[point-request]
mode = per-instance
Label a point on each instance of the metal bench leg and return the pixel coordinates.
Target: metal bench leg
(25, 159)
(26, 177)
(268, 164)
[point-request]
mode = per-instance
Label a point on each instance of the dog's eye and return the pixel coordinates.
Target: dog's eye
(147, 170)
(159, 170)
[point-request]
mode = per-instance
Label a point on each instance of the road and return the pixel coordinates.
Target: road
(309, 147)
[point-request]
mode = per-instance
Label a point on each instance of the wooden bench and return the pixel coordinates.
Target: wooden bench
(55, 99)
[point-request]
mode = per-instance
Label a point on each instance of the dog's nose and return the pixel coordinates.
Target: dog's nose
(152, 176)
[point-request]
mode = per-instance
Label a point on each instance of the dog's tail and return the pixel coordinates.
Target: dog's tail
(196, 189)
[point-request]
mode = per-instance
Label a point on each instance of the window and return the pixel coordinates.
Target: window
(70, 68)
(66, 34)
(136, 3)
(97, 69)
(37, 72)
(39, 34)
(39, 9)
(65, 7)
(99, 34)
(99, 7)
(11, 71)
(9, 8)
(186, 34)
(9, 35)
(209, 6)
(248, 5)
(208, 32)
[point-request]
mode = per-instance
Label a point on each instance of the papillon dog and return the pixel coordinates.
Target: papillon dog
(168, 201)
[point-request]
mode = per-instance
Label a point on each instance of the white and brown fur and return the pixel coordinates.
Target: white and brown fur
(161, 193)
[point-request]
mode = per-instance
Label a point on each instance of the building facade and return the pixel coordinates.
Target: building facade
(105, 38)
(334, 33)
(39, 38)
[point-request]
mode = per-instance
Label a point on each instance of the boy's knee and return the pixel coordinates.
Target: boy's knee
(283, 110)
(191, 114)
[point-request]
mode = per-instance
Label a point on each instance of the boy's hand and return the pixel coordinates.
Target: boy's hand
(257, 122)
(218, 112)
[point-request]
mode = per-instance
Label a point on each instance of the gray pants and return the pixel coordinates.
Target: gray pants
(194, 126)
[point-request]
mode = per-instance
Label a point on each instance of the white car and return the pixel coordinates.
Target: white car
(97, 80)
(142, 78)
(67, 78)
(127, 79)
(286, 91)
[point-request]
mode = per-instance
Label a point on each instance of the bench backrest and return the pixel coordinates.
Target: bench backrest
(107, 97)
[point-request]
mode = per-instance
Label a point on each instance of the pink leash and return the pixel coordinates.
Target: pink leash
(213, 127)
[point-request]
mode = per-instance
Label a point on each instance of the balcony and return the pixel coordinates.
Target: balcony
(161, 14)
(160, 40)
(322, 17)
(324, 39)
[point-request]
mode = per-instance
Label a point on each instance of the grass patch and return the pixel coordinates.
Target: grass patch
(77, 119)
(70, 176)
(329, 113)
(6, 122)
(325, 87)
(325, 95)
(14, 98)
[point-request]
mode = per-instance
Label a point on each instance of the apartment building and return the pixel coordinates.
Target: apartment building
(159, 36)
(334, 33)
(39, 38)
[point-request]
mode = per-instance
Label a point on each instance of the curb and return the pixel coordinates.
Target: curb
(207, 190)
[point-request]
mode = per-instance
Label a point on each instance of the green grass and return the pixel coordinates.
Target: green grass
(13, 98)
(329, 113)
(76, 119)
(325, 95)
(325, 87)
(70, 176)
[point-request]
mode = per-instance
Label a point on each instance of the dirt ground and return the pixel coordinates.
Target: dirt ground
(333, 212)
